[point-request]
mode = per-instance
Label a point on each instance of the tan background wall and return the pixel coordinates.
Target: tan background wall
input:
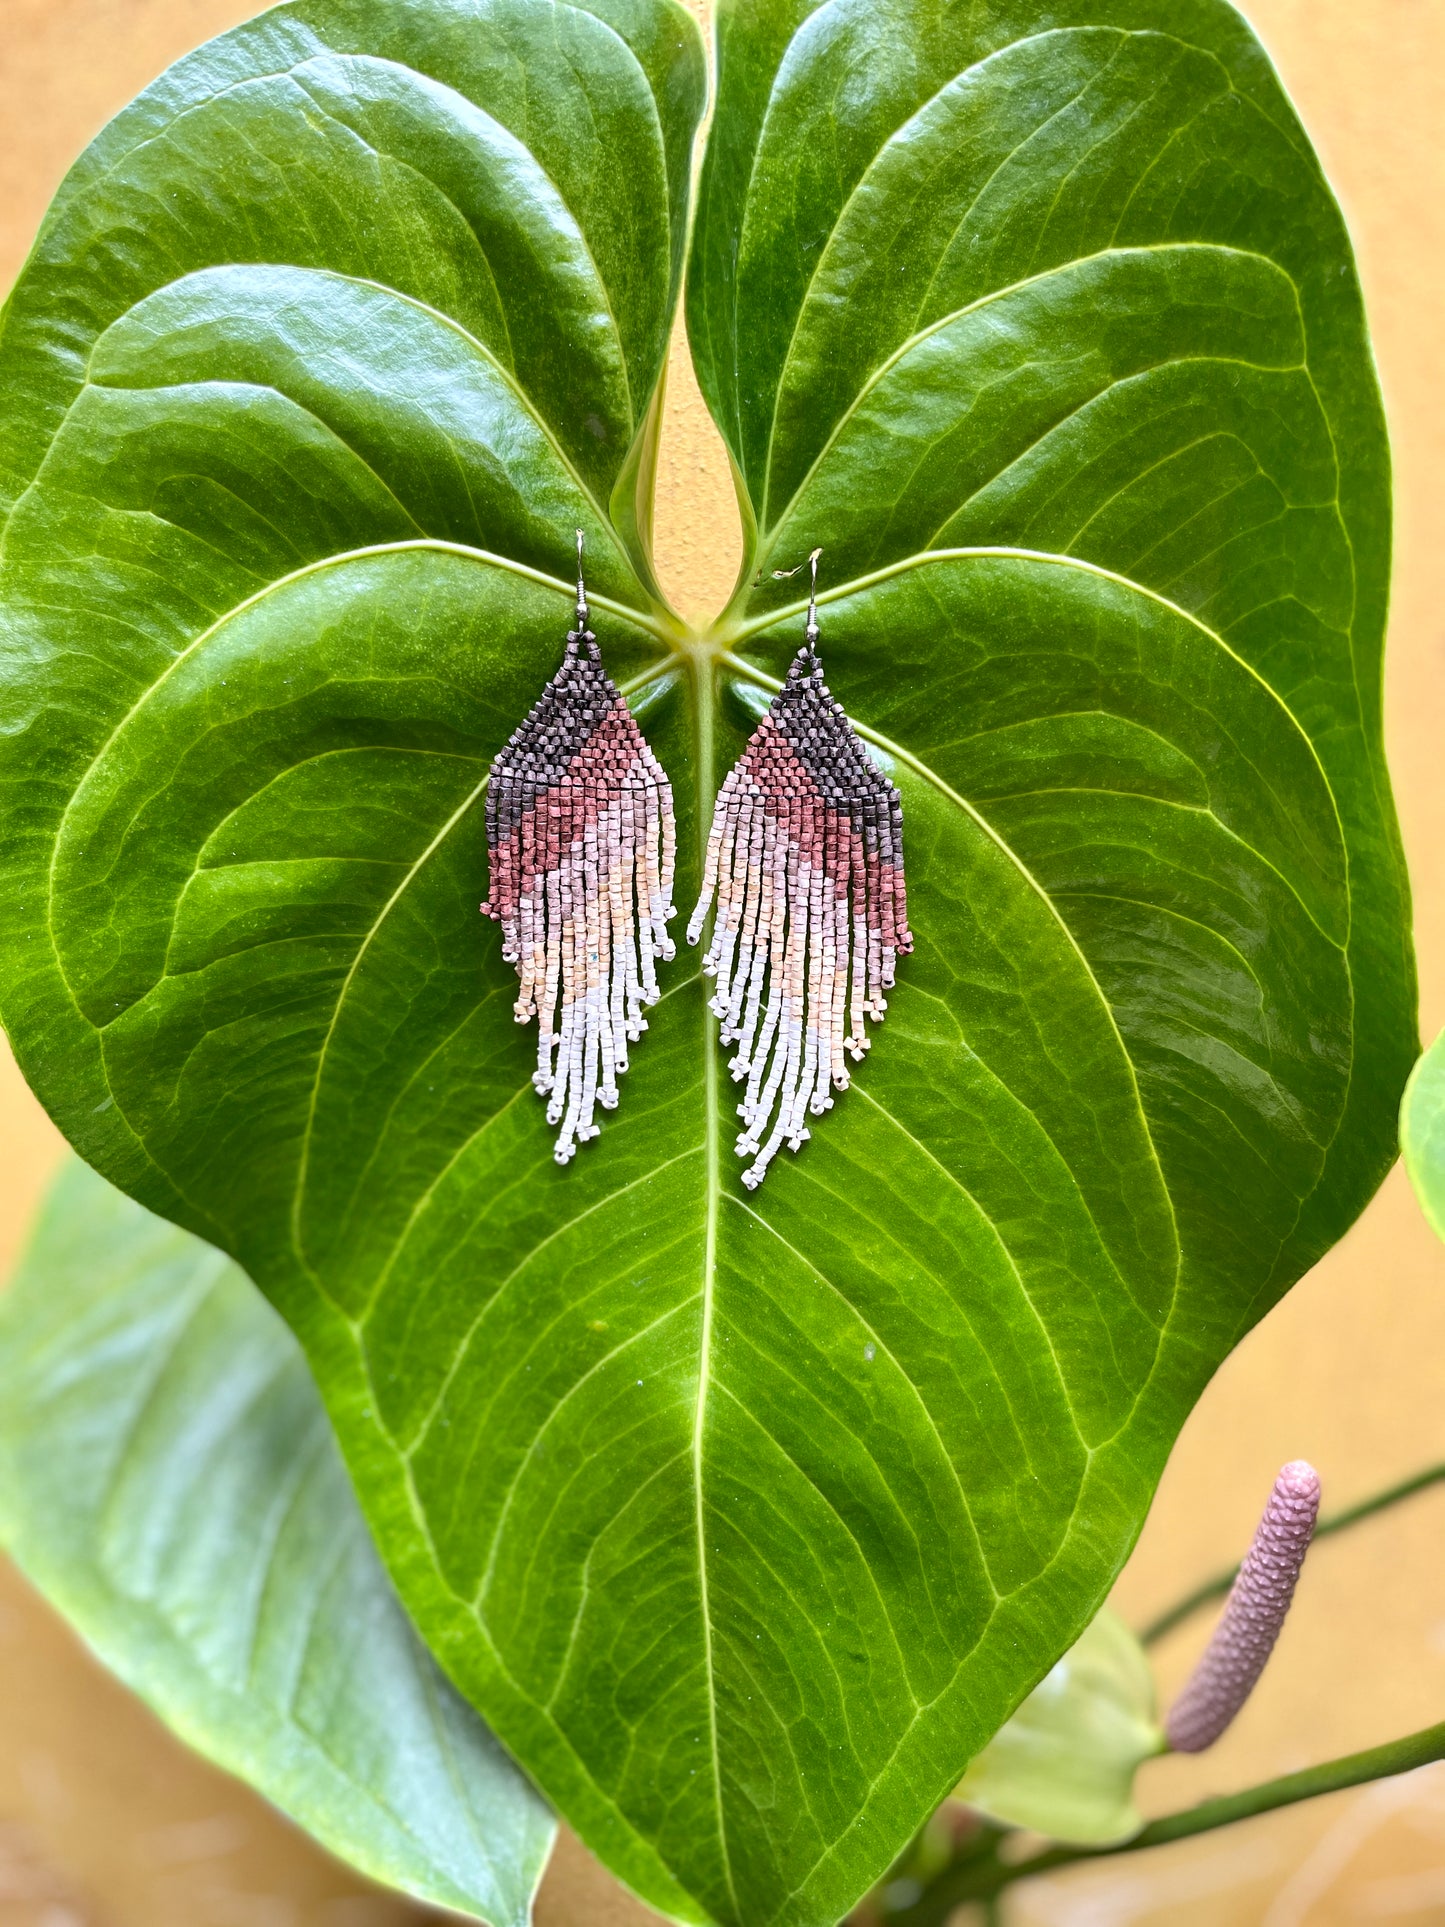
(105, 1821)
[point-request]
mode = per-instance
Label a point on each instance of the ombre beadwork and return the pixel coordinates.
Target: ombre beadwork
(805, 856)
(581, 839)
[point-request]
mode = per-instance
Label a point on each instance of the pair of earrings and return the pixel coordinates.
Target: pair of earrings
(804, 858)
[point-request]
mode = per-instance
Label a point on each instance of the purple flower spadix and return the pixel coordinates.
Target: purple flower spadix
(1253, 1614)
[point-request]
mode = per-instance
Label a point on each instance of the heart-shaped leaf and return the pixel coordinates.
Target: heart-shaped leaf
(745, 1519)
(168, 1479)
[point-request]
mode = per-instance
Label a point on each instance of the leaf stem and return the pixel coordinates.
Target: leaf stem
(1217, 1586)
(969, 1881)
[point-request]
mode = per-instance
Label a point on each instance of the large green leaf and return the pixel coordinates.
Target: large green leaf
(745, 1519)
(169, 1480)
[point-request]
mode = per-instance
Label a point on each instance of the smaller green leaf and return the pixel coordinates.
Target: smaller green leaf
(169, 1481)
(1422, 1133)
(1065, 1763)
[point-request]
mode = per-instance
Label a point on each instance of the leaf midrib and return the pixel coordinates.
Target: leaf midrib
(705, 686)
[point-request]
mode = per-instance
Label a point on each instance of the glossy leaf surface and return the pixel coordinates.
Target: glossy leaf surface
(1064, 1764)
(168, 1479)
(746, 1520)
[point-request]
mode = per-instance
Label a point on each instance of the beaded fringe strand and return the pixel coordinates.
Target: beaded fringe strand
(579, 828)
(804, 822)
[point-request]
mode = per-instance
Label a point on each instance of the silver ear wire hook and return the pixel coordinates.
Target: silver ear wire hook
(583, 612)
(810, 634)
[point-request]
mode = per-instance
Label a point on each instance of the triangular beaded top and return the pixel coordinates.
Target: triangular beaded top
(805, 855)
(579, 830)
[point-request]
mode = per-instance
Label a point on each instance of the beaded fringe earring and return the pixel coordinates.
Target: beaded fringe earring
(804, 818)
(579, 824)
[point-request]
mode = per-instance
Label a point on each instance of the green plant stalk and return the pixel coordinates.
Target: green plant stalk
(1217, 1586)
(958, 1885)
